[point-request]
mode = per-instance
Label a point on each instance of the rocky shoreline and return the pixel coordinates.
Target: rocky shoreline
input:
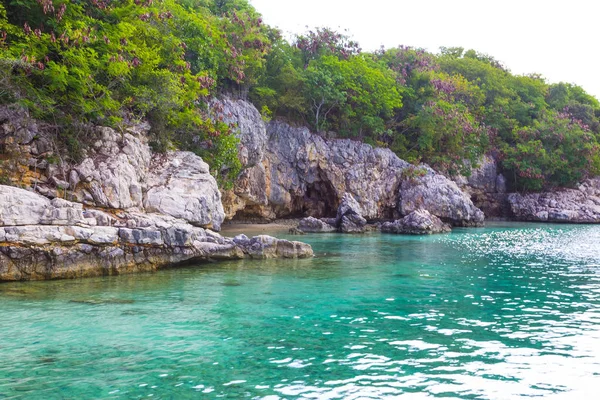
(125, 209)
(52, 239)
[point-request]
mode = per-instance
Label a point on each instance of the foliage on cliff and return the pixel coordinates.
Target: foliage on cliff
(445, 109)
(114, 62)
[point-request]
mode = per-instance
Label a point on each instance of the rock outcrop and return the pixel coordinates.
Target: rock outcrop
(249, 191)
(349, 218)
(441, 197)
(179, 184)
(418, 222)
(304, 174)
(118, 172)
(581, 205)
(487, 188)
(113, 174)
(314, 225)
(51, 239)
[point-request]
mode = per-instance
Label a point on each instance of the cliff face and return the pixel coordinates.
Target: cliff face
(487, 188)
(296, 173)
(122, 209)
(290, 172)
(118, 171)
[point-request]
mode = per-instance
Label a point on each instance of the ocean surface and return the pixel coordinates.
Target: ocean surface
(509, 311)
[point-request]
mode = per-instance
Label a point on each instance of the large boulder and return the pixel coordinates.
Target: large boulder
(180, 185)
(581, 205)
(418, 222)
(441, 197)
(314, 225)
(349, 218)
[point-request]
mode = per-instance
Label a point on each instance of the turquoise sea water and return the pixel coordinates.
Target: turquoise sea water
(507, 311)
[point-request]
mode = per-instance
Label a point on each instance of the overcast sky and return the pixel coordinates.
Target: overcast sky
(558, 39)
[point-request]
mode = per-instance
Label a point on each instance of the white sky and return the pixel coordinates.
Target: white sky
(558, 39)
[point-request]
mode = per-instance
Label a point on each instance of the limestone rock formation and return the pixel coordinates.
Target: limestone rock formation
(180, 185)
(299, 173)
(113, 174)
(349, 218)
(418, 222)
(441, 197)
(581, 205)
(487, 187)
(49, 239)
(309, 174)
(250, 188)
(119, 171)
(314, 225)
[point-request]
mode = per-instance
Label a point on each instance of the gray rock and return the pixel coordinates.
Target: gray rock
(250, 187)
(115, 172)
(308, 174)
(419, 222)
(348, 206)
(314, 225)
(441, 197)
(580, 205)
(329, 221)
(349, 218)
(353, 223)
(241, 239)
(484, 177)
(248, 127)
(486, 187)
(101, 218)
(21, 207)
(181, 186)
(52, 239)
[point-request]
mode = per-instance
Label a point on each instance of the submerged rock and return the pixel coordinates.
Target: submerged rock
(419, 222)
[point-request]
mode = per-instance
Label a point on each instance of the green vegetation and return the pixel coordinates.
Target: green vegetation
(115, 62)
(445, 109)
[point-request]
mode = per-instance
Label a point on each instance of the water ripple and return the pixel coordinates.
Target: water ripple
(496, 313)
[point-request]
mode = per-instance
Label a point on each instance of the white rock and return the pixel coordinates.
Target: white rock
(181, 186)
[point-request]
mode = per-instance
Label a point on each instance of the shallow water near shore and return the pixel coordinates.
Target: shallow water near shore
(506, 311)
